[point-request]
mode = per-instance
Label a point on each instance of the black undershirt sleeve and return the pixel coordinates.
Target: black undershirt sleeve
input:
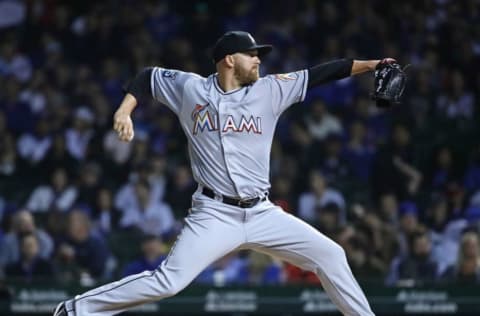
(139, 87)
(329, 71)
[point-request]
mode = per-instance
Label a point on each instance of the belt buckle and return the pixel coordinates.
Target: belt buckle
(244, 203)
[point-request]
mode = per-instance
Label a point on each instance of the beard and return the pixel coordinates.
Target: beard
(246, 77)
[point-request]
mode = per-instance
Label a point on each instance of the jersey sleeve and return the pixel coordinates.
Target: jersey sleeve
(168, 87)
(287, 89)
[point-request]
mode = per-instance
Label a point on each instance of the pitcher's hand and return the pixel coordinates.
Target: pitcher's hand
(123, 125)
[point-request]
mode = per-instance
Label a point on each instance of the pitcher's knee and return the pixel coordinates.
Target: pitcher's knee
(170, 285)
(330, 261)
(332, 253)
(173, 290)
(173, 287)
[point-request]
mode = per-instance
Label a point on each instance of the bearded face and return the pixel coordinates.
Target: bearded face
(244, 75)
(246, 68)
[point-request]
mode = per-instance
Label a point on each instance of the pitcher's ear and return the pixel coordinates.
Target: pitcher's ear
(230, 60)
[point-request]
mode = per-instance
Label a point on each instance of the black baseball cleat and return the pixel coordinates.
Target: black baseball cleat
(60, 310)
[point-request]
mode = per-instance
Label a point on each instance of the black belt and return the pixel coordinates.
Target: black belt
(243, 203)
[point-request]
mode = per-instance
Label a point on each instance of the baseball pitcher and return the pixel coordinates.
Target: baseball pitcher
(229, 119)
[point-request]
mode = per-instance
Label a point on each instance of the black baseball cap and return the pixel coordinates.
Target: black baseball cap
(236, 42)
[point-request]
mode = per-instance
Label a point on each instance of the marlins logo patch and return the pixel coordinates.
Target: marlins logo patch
(203, 120)
(286, 77)
(197, 109)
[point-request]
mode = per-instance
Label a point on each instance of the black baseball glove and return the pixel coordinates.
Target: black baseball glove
(390, 81)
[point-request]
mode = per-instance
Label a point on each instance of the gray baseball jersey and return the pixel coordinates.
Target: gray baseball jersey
(230, 135)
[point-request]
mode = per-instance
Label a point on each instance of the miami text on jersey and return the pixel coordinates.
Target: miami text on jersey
(204, 120)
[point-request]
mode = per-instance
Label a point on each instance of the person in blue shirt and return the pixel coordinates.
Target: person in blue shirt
(153, 253)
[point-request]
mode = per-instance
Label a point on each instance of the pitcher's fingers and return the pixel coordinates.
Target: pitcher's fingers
(128, 137)
(118, 126)
(123, 137)
(127, 130)
(123, 128)
(121, 132)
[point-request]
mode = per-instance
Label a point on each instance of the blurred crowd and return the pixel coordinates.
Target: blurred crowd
(398, 189)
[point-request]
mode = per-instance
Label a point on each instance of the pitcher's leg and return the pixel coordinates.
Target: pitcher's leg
(289, 238)
(203, 240)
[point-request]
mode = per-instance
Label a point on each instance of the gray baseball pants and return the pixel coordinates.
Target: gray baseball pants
(213, 229)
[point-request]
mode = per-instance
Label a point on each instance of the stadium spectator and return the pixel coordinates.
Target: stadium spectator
(58, 156)
(125, 197)
(393, 167)
(377, 122)
(263, 269)
(153, 253)
(320, 123)
(319, 195)
(179, 191)
(457, 101)
(445, 232)
(33, 146)
(456, 198)
(104, 215)
(59, 195)
(358, 152)
(295, 275)
(409, 224)
(79, 136)
(467, 268)
(81, 252)
(417, 266)
(327, 219)
(228, 270)
(9, 166)
(158, 175)
(19, 117)
(23, 223)
(149, 216)
(377, 239)
(442, 170)
(30, 265)
(332, 164)
(360, 254)
(90, 176)
(281, 193)
(388, 209)
(13, 62)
